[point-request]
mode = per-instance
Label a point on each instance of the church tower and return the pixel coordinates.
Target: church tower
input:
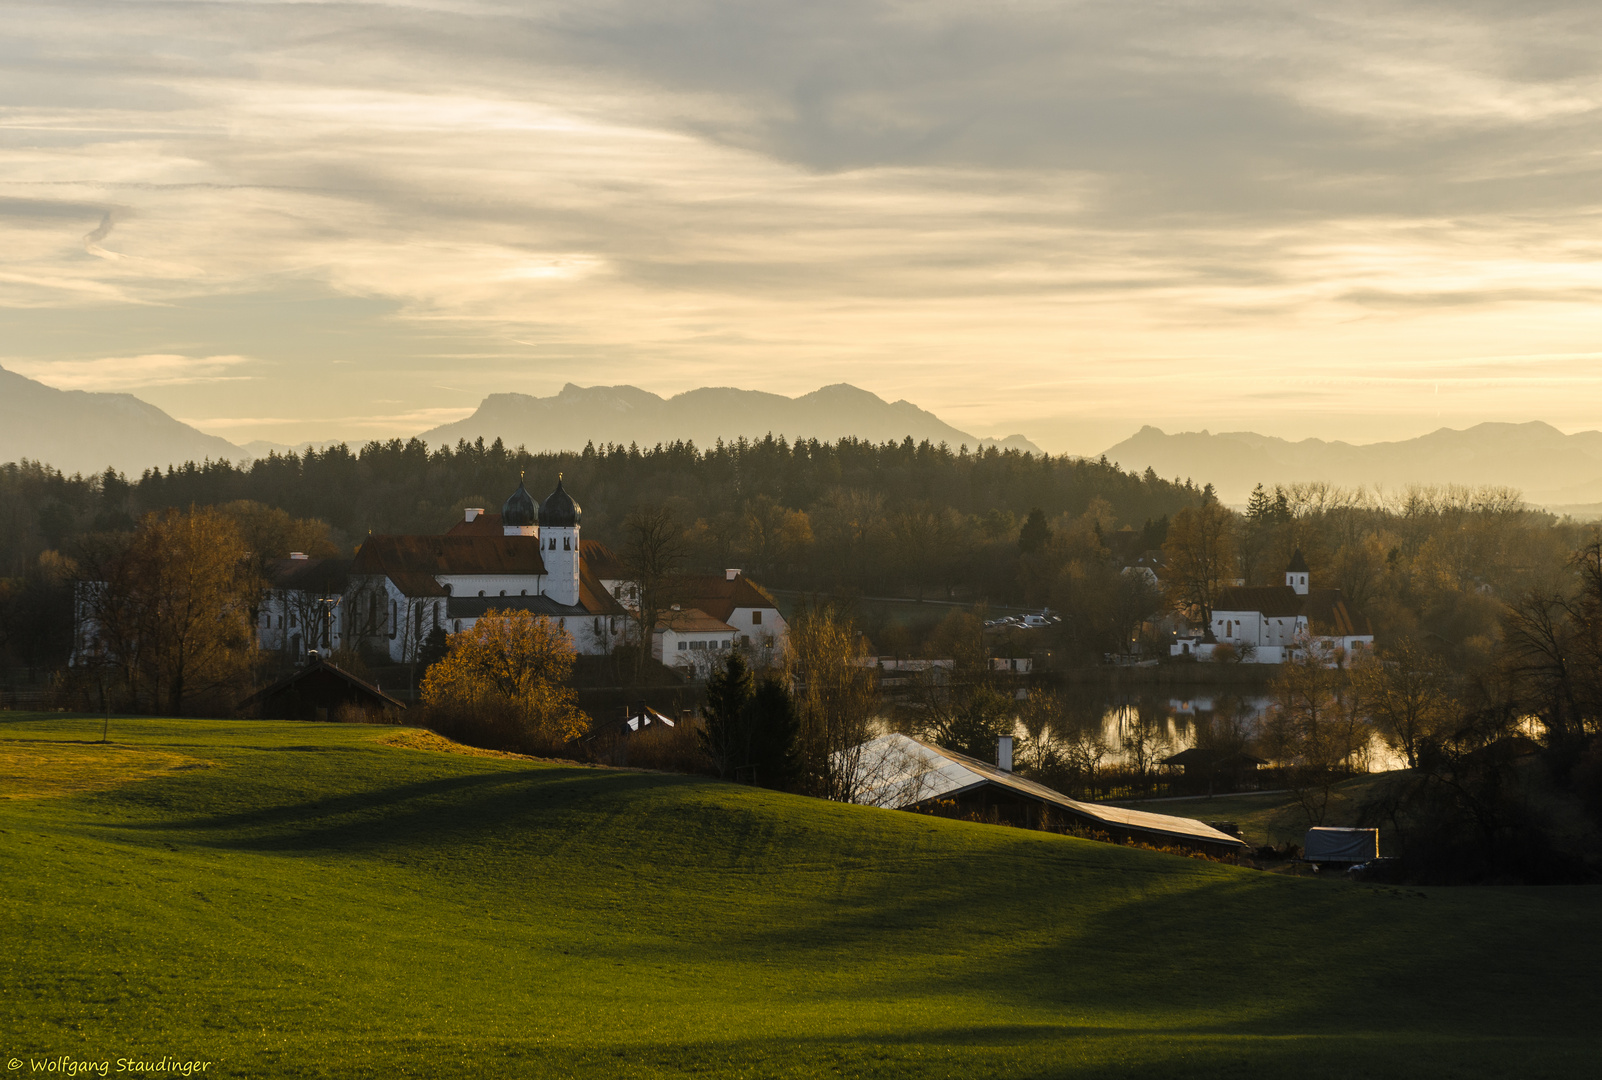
(1296, 573)
(518, 515)
(559, 544)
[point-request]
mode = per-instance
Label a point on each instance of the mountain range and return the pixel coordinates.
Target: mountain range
(84, 432)
(80, 431)
(627, 414)
(1563, 472)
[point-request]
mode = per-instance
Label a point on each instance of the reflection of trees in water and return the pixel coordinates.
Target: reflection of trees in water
(1099, 743)
(1170, 719)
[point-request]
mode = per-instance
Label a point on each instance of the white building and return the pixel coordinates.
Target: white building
(718, 613)
(526, 558)
(1271, 624)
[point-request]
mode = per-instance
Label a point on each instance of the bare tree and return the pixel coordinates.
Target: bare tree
(837, 697)
(171, 607)
(1406, 694)
(655, 548)
(1317, 731)
(1200, 551)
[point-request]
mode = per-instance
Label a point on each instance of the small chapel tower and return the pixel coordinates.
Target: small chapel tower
(1296, 573)
(559, 544)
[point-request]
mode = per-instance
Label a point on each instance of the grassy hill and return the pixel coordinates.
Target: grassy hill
(305, 900)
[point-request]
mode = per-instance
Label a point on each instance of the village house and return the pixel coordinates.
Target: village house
(529, 557)
(1270, 624)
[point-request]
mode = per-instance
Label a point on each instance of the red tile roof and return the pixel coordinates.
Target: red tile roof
(593, 598)
(718, 596)
(692, 621)
(483, 525)
(602, 560)
(1331, 616)
(433, 555)
(1273, 601)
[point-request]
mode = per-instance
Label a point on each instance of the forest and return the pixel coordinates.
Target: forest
(852, 517)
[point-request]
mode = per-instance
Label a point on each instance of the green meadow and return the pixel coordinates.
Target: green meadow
(291, 900)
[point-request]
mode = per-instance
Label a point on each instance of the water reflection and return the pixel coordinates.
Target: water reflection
(1162, 721)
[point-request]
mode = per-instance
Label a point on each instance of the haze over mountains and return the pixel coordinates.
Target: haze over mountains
(1550, 468)
(627, 414)
(81, 431)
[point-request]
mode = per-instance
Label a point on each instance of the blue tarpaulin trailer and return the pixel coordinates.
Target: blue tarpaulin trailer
(1330, 845)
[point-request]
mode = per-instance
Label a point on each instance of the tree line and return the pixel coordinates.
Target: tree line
(852, 517)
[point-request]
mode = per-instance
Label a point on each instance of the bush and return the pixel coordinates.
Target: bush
(503, 685)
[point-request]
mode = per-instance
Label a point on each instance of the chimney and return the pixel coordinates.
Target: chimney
(731, 574)
(473, 512)
(298, 555)
(1004, 753)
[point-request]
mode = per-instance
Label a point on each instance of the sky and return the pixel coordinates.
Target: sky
(311, 221)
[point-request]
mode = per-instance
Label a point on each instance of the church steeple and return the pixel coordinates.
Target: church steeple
(1296, 573)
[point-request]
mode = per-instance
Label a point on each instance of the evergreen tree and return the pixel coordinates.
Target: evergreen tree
(773, 730)
(724, 733)
(435, 646)
(1035, 533)
(1258, 508)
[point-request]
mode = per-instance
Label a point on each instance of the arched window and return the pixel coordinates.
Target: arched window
(458, 626)
(553, 543)
(567, 543)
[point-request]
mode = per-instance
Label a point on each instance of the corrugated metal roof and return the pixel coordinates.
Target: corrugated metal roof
(903, 771)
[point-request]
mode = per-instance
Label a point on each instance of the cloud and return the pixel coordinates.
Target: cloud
(1095, 206)
(132, 372)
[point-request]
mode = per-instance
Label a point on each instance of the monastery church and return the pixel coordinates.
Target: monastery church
(529, 557)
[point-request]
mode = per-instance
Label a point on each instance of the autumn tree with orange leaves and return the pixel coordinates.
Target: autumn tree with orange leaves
(505, 681)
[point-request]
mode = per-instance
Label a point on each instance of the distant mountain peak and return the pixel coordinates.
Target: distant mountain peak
(80, 431)
(1551, 468)
(576, 415)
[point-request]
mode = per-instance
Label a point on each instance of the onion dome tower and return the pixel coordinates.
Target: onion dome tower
(559, 544)
(518, 515)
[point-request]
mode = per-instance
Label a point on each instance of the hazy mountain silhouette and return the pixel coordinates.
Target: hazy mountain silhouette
(79, 431)
(627, 414)
(1551, 468)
